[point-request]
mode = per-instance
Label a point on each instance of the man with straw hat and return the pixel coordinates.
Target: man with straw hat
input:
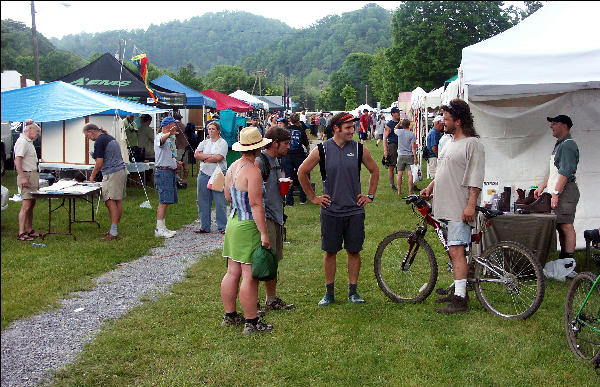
(246, 231)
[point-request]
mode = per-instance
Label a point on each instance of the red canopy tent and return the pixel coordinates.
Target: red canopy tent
(226, 102)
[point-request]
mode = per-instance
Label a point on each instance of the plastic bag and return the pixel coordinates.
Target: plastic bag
(415, 169)
(559, 269)
(264, 264)
(216, 181)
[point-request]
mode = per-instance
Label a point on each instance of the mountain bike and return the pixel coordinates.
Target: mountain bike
(507, 278)
(582, 317)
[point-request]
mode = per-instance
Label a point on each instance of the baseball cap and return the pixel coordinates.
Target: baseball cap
(166, 121)
(395, 110)
(282, 119)
(562, 119)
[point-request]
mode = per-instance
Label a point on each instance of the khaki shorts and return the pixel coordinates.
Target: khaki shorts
(114, 185)
(33, 178)
(432, 166)
(275, 233)
(392, 154)
(404, 162)
(567, 203)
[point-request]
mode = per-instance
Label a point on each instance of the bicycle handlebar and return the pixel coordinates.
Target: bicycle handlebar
(420, 202)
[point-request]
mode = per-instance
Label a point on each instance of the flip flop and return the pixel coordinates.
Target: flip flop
(34, 234)
(24, 237)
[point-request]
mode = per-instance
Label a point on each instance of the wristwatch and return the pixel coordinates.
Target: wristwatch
(556, 192)
(371, 197)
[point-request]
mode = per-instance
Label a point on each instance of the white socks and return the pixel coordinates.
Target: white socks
(160, 224)
(460, 288)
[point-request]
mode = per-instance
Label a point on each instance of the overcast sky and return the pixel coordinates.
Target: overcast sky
(59, 18)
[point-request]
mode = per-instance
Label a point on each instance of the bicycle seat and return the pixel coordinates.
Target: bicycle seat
(488, 213)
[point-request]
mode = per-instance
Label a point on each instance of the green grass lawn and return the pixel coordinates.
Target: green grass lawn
(177, 339)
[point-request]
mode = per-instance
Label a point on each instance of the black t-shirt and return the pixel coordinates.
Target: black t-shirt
(100, 145)
(392, 137)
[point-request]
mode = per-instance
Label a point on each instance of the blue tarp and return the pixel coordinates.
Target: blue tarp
(57, 101)
(193, 97)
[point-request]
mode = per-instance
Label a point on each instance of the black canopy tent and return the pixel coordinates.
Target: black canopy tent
(106, 75)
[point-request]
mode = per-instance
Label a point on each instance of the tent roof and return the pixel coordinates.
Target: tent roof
(250, 99)
(226, 102)
(57, 101)
(274, 101)
(553, 47)
(193, 97)
(105, 76)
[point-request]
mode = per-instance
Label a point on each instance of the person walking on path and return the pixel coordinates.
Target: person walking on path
(561, 184)
(407, 155)
(342, 203)
(28, 178)
(458, 182)
(270, 169)
(212, 153)
(109, 161)
(165, 177)
(246, 230)
(390, 145)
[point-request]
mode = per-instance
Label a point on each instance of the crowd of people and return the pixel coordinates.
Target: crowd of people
(455, 159)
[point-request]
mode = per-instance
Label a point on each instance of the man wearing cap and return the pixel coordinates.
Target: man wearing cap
(254, 122)
(390, 144)
(433, 140)
(165, 179)
(28, 178)
(561, 184)
(342, 203)
(282, 122)
(109, 161)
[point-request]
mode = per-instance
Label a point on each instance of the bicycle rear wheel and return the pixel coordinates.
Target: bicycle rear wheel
(582, 339)
(416, 282)
(511, 283)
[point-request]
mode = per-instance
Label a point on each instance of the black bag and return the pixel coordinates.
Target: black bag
(264, 264)
(425, 152)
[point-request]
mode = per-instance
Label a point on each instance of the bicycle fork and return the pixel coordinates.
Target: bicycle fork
(413, 248)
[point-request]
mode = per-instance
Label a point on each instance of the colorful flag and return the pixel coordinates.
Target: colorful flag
(141, 62)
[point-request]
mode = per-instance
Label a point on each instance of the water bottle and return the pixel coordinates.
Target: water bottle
(38, 245)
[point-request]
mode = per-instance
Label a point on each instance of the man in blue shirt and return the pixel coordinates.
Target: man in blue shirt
(433, 139)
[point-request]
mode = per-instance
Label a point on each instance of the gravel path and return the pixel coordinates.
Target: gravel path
(33, 348)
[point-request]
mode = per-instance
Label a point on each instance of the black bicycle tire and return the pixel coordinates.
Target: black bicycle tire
(569, 311)
(539, 274)
(383, 285)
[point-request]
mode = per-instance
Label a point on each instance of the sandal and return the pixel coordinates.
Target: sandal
(24, 237)
(34, 234)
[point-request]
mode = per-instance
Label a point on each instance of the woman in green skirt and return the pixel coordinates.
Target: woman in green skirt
(246, 230)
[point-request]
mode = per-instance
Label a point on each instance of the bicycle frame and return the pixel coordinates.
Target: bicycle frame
(597, 317)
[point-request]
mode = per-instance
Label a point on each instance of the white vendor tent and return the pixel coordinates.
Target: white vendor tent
(549, 64)
(249, 99)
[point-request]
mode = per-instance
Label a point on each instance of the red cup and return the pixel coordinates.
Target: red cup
(284, 185)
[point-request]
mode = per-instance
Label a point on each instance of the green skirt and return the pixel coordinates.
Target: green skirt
(241, 239)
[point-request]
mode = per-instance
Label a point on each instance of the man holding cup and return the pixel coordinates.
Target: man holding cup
(270, 168)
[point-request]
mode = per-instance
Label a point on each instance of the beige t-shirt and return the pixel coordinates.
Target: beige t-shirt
(460, 165)
(24, 148)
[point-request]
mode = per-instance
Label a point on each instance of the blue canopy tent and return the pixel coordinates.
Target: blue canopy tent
(193, 97)
(62, 110)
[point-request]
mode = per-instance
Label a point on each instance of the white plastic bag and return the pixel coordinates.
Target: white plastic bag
(415, 169)
(216, 181)
(559, 269)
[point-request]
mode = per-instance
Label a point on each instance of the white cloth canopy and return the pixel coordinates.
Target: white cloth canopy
(554, 47)
(547, 65)
(433, 99)
(452, 91)
(248, 98)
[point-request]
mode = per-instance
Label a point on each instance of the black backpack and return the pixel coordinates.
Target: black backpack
(322, 159)
(265, 169)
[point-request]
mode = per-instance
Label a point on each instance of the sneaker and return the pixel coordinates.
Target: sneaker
(457, 304)
(449, 297)
(278, 304)
(355, 298)
(110, 237)
(165, 233)
(259, 327)
(326, 300)
(231, 321)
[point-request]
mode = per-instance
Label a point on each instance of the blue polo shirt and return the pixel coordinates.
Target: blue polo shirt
(433, 139)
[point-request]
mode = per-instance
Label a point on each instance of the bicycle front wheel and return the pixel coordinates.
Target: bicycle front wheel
(509, 281)
(582, 339)
(415, 281)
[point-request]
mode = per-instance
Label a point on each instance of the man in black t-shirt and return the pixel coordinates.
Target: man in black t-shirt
(390, 145)
(299, 147)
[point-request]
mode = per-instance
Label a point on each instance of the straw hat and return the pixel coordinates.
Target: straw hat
(250, 139)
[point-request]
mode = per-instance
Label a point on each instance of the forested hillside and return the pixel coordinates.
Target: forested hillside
(205, 41)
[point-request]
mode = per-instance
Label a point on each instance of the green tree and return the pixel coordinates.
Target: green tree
(228, 79)
(57, 64)
(187, 76)
(428, 38)
(349, 95)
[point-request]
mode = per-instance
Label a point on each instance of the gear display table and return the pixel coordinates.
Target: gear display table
(535, 231)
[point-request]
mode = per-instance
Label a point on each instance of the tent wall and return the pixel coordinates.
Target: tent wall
(518, 144)
(52, 142)
(75, 141)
